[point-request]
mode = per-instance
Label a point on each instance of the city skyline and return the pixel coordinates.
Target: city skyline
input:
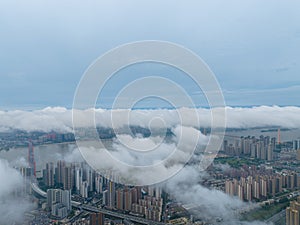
(150, 112)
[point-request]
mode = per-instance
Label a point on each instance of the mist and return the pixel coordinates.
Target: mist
(180, 179)
(182, 182)
(12, 206)
(60, 119)
(204, 203)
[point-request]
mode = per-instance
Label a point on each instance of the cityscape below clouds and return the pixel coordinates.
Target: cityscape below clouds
(150, 112)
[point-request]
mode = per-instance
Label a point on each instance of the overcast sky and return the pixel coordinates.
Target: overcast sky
(252, 46)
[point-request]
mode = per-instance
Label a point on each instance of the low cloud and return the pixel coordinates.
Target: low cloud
(12, 206)
(139, 166)
(60, 119)
(204, 203)
(185, 185)
(182, 181)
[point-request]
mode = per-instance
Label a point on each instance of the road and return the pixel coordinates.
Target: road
(36, 188)
(119, 215)
(274, 219)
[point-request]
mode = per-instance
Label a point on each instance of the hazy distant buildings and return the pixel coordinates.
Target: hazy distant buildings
(298, 155)
(31, 160)
(260, 148)
(26, 173)
(296, 144)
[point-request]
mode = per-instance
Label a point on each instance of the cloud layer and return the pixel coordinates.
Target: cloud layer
(12, 207)
(60, 119)
(204, 203)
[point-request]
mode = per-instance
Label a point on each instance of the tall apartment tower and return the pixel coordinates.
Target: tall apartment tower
(68, 178)
(59, 171)
(96, 219)
(292, 213)
(120, 199)
(111, 191)
(270, 152)
(31, 160)
(59, 202)
(48, 174)
(127, 200)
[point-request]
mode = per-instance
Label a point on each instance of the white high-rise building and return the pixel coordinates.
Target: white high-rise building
(99, 184)
(84, 189)
(59, 202)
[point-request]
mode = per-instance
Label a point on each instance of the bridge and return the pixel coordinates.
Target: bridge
(37, 190)
(139, 220)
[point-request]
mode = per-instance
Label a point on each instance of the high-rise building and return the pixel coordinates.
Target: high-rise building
(249, 192)
(68, 178)
(298, 154)
(84, 189)
(105, 198)
(111, 191)
(120, 199)
(96, 219)
(26, 174)
(240, 192)
(229, 187)
(256, 190)
(78, 179)
(59, 202)
(99, 183)
(48, 174)
(292, 213)
(253, 151)
(31, 160)
(127, 200)
(296, 144)
(59, 171)
(270, 152)
(158, 192)
(134, 195)
(90, 179)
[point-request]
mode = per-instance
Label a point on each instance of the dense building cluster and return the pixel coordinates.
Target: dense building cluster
(81, 180)
(260, 148)
(59, 202)
(254, 169)
(260, 187)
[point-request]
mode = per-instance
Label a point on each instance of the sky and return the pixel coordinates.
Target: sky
(251, 46)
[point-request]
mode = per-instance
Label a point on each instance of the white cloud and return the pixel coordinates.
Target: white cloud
(205, 203)
(146, 166)
(60, 119)
(12, 207)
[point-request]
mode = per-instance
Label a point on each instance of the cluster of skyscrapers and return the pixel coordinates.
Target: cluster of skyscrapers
(261, 186)
(260, 148)
(80, 179)
(59, 202)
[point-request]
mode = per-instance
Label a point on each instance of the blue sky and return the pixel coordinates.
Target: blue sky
(253, 47)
